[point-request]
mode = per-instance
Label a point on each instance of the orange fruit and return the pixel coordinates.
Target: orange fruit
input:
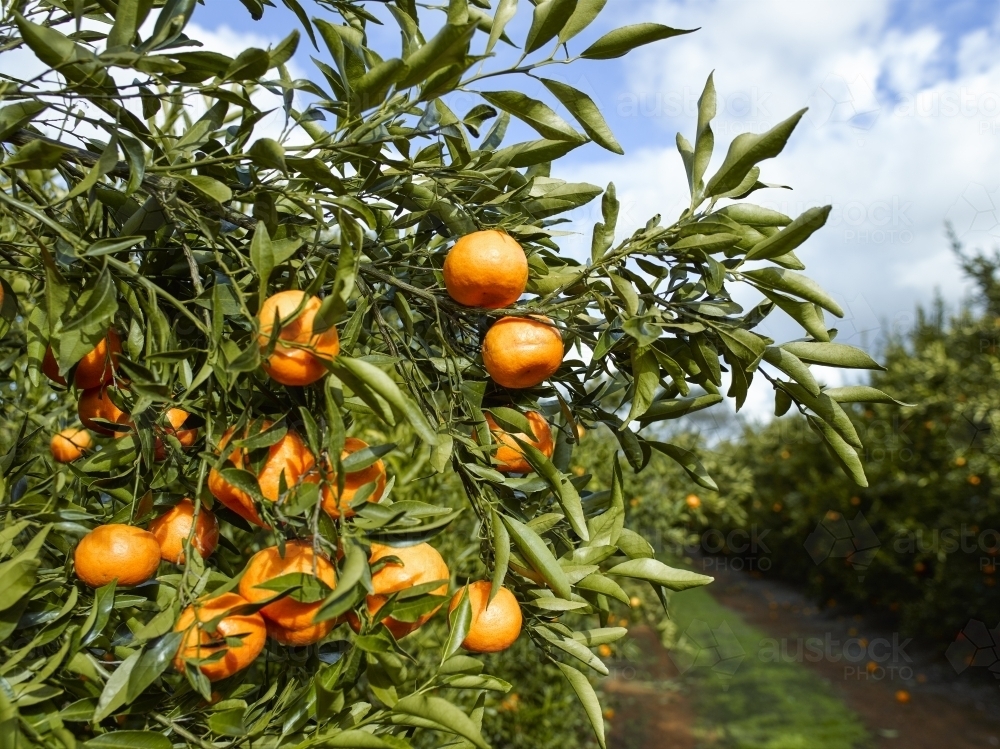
(198, 642)
(268, 564)
(902, 697)
(123, 552)
(96, 368)
(693, 501)
(288, 456)
(173, 528)
(486, 269)
(305, 636)
(96, 404)
(175, 417)
(509, 456)
(69, 444)
(298, 354)
(494, 627)
(420, 564)
(521, 352)
(353, 481)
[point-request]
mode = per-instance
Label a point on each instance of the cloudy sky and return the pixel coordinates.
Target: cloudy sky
(903, 131)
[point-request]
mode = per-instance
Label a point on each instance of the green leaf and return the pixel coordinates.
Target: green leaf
(806, 314)
(115, 692)
(585, 13)
(656, 572)
(676, 408)
(791, 237)
(354, 739)
(448, 46)
(794, 367)
(129, 740)
(104, 164)
(153, 662)
(15, 116)
(594, 637)
(444, 714)
(689, 462)
(267, 153)
(96, 308)
(501, 553)
(37, 154)
(646, 378)
(505, 11)
(832, 355)
(704, 141)
(829, 410)
(384, 386)
(535, 113)
(862, 394)
(583, 108)
(209, 187)
(842, 452)
(459, 622)
(588, 698)
(795, 284)
(748, 149)
(538, 556)
(549, 18)
(111, 245)
(566, 493)
(170, 24)
(622, 41)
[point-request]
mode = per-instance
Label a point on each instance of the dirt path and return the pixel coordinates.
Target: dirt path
(649, 712)
(943, 710)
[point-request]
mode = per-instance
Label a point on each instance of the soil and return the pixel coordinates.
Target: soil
(943, 709)
(648, 709)
(938, 709)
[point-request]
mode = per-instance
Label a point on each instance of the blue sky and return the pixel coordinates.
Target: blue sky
(903, 131)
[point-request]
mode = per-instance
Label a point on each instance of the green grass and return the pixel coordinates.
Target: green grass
(762, 705)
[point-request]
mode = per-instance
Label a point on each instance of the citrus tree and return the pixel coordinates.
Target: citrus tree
(229, 274)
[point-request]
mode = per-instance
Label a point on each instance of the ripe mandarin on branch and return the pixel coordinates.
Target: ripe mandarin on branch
(287, 613)
(486, 269)
(198, 642)
(521, 352)
(96, 368)
(288, 456)
(70, 444)
(298, 354)
(123, 552)
(510, 458)
(173, 528)
(97, 404)
(494, 627)
(417, 565)
(175, 418)
(353, 481)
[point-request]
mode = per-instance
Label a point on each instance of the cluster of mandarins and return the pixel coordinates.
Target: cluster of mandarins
(486, 269)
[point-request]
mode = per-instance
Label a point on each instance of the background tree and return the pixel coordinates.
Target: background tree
(147, 208)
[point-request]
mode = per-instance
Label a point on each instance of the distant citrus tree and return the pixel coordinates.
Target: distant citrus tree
(226, 303)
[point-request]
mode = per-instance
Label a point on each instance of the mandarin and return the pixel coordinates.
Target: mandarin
(353, 481)
(96, 368)
(124, 553)
(486, 269)
(510, 458)
(304, 636)
(95, 403)
(175, 418)
(521, 352)
(288, 456)
(268, 564)
(173, 528)
(298, 354)
(199, 643)
(417, 565)
(493, 627)
(70, 444)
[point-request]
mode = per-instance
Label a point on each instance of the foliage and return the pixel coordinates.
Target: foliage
(933, 501)
(355, 198)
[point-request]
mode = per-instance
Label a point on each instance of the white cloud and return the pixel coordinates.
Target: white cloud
(894, 142)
